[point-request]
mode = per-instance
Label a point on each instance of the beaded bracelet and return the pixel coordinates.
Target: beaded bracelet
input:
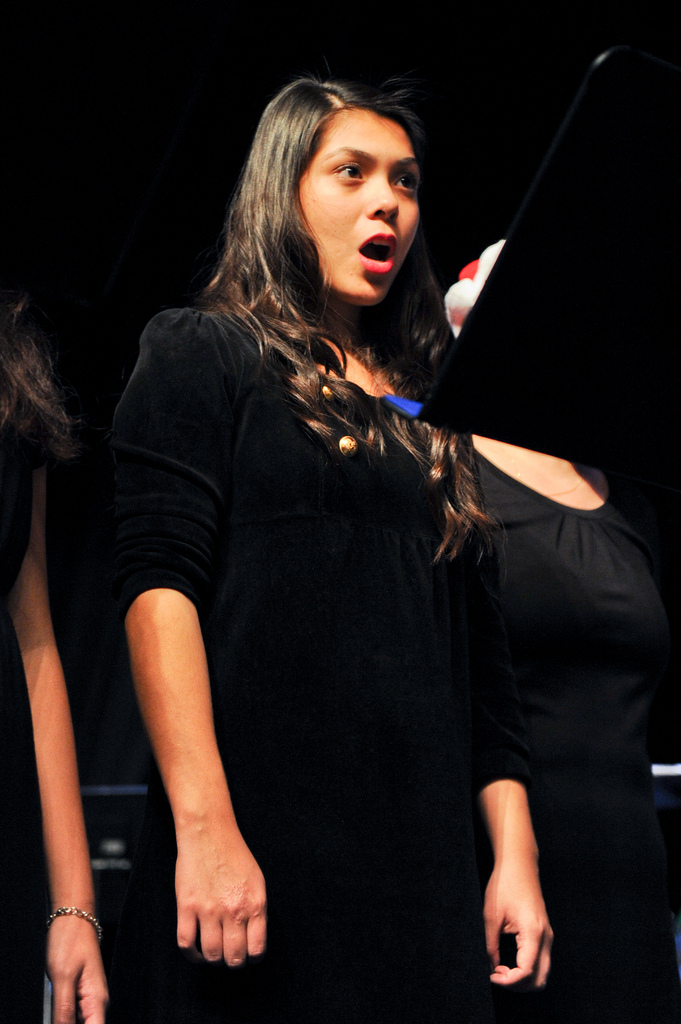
(77, 912)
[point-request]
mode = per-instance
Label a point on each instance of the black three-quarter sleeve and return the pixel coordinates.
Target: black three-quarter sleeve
(172, 437)
(499, 735)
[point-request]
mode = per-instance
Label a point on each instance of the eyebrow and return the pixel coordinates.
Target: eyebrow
(362, 155)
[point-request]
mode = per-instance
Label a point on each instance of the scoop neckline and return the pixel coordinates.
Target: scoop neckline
(587, 513)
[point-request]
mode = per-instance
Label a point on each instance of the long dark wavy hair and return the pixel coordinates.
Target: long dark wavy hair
(31, 401)
(268, 280)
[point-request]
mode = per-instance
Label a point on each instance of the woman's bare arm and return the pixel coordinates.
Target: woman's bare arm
(73, 959)
(221, 903)
(513, 899)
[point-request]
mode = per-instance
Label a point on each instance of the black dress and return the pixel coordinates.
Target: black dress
(360, 695)
(24, 906)
(589, 640)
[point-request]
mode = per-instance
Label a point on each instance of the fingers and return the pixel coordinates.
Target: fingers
(534, 957)
(93, 999)
(257, 936)
(75, 969)
(187, 934)
(235, 946)
(543, 968)
(512, 977)
(214, 940)
(533, 963)
(63, 1001)
(492, 938)
(75, 1000)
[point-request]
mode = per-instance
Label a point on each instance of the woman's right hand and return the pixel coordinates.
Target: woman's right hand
(221, 899)
(220, 890)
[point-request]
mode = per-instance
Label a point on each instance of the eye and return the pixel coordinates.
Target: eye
(409, 180)
(349, 171)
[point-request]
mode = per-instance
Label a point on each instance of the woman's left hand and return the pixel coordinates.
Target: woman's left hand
(74, 966)
(514, 906)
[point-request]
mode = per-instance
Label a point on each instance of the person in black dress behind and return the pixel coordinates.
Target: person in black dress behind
(41, 819)
(316, 648)
(589, 639)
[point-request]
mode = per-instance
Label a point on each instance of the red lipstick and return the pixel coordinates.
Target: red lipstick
(377, 253)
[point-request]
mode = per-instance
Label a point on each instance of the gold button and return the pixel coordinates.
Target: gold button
(348, 446)
(326, 391)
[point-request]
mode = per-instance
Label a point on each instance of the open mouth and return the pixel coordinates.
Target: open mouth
(377, 254)
(379, 251)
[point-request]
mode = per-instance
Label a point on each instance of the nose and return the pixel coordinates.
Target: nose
(383, 202)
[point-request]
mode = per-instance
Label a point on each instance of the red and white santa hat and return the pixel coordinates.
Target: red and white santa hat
(461, 296)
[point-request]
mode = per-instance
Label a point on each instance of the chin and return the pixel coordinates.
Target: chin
(346, 303)
(374, 297)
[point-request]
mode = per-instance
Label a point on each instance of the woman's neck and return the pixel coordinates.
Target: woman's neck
(357, 371)
(368, 380)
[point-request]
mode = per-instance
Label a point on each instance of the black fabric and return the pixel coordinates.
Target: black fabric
(22, 874)
(589, 641)
(360, 695)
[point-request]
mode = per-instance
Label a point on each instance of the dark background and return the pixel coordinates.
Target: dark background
(125, 127)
